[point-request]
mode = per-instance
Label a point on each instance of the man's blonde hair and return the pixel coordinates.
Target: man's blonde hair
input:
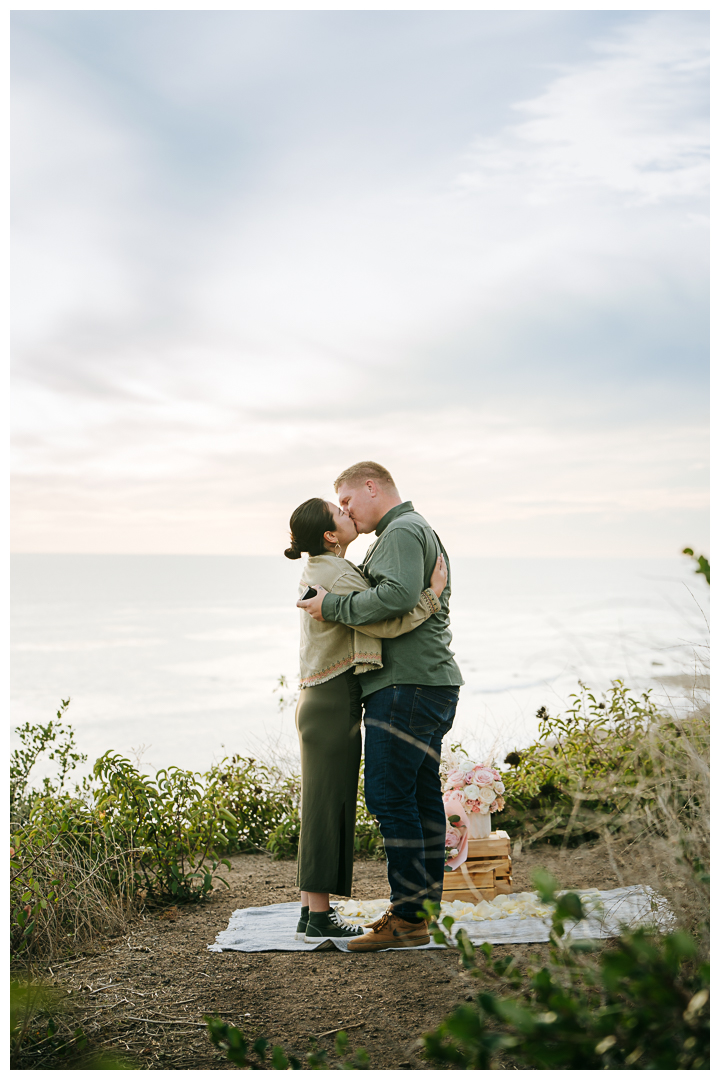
(364, 470)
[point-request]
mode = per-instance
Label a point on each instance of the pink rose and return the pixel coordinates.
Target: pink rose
(493, 807)
(499, 787)
(473, 806)
(452, 838)
(456, 779)
(483, 776)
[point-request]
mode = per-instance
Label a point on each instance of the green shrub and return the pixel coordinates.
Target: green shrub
(642, 1003)
(176, 825)
(81, 860)
(260, 799)
(67, 877)
(604, 765)
(256, 1054)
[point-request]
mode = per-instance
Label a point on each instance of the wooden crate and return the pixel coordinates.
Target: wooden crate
(486, 872)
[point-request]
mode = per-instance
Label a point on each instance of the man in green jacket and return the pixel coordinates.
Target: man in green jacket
(409, 703)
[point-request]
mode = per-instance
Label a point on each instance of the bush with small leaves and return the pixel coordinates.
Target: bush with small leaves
(642, 1003)
(256, 1054)
(603, 766)
(174, 823)
(262, 802)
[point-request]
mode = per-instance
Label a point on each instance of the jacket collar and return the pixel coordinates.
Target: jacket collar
(403, 508)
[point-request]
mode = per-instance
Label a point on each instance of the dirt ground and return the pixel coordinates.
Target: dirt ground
(145, 994)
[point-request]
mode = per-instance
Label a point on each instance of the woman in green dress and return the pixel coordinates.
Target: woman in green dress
(329, 711)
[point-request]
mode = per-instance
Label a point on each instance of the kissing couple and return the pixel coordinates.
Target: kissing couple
(374, 647)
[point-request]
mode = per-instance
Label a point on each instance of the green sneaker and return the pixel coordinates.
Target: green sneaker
(322, 925)
(302, 924)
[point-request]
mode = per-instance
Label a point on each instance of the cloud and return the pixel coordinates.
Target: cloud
(634, 122)
(228, 283)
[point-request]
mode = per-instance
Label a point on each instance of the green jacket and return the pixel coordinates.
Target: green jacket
(398, 566)
(328, 649)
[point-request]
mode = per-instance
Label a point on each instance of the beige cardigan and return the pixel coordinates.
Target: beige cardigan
(328, 648)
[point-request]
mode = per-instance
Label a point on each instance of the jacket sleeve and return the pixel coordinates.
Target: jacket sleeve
(427, 605)
(398, 566)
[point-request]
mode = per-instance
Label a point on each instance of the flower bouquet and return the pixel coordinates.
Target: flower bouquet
(471, 793)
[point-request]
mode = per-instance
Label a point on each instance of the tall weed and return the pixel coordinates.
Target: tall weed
(69, 879)
(56, 741)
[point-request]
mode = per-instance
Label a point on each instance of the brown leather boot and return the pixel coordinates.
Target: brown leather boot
(391, 932)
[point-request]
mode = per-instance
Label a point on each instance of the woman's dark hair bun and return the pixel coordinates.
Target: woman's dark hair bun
(308, 525)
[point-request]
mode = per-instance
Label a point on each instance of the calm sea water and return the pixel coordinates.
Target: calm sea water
(176, 658)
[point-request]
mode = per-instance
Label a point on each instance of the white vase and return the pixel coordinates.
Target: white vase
(480, 826)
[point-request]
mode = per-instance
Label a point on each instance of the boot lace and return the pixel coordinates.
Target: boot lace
(381, 922)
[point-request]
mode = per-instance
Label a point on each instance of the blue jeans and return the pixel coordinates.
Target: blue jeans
(404, 729)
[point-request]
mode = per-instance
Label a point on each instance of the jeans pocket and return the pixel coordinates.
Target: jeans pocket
(433, 709)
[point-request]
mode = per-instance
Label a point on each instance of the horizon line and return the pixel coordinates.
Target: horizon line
(265, 555)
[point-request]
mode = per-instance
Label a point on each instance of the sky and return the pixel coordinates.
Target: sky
(252, 248)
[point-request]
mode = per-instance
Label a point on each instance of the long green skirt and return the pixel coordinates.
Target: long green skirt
(328, 722)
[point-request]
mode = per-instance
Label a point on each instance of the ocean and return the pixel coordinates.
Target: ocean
(175, 660)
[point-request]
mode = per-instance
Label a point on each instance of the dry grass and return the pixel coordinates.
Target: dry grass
(86, 893)
(676, 829)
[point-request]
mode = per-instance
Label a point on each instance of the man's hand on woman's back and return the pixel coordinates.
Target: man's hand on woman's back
(439, 577)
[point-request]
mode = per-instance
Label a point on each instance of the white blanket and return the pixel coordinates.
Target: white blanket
(272, 928)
